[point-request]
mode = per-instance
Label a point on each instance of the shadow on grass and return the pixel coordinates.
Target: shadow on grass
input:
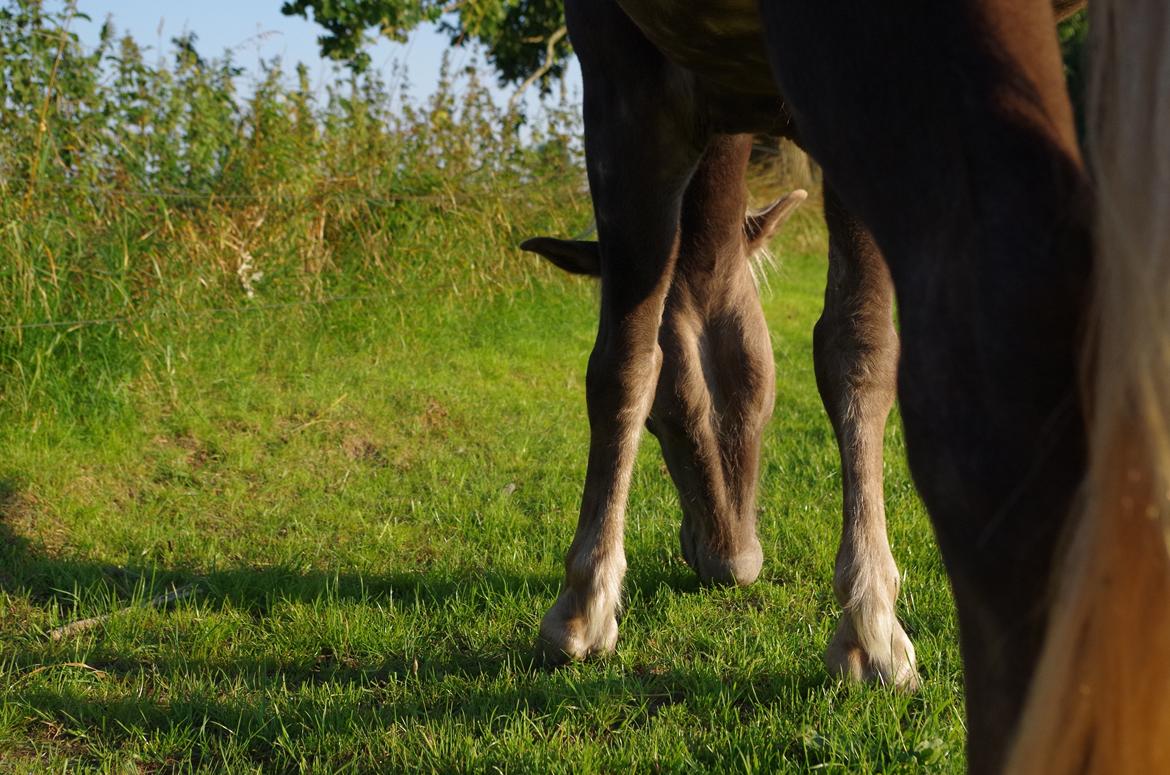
(31, 570)
(264, 698)
(601, 708)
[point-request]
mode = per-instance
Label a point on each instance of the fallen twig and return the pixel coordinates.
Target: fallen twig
(158, 601)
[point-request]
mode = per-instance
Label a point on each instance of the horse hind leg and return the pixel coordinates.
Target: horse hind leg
(856, 355)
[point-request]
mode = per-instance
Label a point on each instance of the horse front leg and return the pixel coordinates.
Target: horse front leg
(855, 351)
(640, 154)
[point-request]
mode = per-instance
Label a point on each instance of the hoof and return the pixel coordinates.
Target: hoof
(566, 636)
(890, 662)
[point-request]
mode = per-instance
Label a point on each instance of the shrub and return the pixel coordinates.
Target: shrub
(137, 193)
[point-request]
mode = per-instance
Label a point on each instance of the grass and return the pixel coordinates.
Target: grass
(372, 499)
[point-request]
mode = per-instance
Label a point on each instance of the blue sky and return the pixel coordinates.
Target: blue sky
(255, 30)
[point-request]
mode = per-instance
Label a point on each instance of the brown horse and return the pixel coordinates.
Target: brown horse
(953, 183)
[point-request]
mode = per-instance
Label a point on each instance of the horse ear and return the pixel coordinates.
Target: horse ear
(759, 227)
(575, 256)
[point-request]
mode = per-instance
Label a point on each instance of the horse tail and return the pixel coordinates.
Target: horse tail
(1100, 701)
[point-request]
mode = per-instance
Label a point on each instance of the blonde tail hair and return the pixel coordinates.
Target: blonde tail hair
(1100, 702)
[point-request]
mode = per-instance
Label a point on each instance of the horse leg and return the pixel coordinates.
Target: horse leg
(640, 154)
(855, 351)
(716, 389)
(948, 132)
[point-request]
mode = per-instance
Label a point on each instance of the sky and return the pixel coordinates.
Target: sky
(256, 30)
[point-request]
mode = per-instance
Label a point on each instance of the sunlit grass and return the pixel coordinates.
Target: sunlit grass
(371, 501)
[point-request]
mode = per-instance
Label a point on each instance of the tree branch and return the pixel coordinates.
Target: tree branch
(549, 60)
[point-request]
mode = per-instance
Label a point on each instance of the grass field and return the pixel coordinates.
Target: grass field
(368, 502)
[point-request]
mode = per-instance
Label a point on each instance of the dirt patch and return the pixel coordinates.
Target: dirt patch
(24, 520)
(195, 453)
(434, 415)
(361, 450)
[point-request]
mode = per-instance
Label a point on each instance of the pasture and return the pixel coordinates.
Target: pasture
(347, 424)
(371, 500)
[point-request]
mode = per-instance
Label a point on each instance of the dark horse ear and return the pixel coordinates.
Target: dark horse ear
(759, 227)
(576, 256)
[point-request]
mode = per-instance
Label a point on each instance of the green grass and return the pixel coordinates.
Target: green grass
(372, 499)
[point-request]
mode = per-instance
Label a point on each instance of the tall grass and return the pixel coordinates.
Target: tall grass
(141, 192)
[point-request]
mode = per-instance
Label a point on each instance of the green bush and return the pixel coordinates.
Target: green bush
(139, 193)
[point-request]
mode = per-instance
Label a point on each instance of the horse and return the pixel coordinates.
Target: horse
(1030, 361)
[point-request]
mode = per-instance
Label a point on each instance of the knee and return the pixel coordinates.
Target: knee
(620, 373)
(854, 356)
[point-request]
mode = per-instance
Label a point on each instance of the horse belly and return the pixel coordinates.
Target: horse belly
(718, 40)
